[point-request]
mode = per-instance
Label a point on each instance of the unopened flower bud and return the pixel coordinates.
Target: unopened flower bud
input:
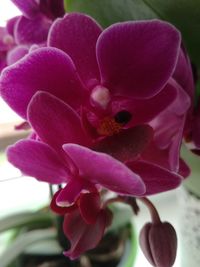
(158, 242)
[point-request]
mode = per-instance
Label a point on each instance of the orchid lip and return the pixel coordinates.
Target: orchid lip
(64, 204)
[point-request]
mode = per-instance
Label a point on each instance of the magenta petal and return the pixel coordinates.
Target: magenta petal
(52, 8)
(3, 62)
(70, 193)
(6, 40)
(16, 53)
(128, 144)
(156, 156)
(89, 207)
(38, 160)
(183, 72)
(10, 25)
(156, 179)
(102, 169)
(175, 146)
(55, 122)
(45, 69)
(28, 7)
(137, 58)
(184, 169)
(76, 34)
(57, 209)
(32, 31)
(83, 236)
(145, 110)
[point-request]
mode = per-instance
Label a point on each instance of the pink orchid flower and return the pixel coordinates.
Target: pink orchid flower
(106, 83)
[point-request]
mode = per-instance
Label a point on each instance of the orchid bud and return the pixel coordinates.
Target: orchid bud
(158, 242)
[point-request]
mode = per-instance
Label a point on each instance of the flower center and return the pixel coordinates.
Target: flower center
(123, 117)
(100, 96)
(109, 125)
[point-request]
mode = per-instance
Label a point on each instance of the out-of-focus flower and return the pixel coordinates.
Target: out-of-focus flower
(33, 26)
(6, 44)
(158, 242)
(178, 115)
(21, 32)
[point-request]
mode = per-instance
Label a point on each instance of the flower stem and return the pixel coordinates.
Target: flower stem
(152, 209)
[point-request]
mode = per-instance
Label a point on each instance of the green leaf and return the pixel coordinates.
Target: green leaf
(29, 219)
(184, 14)
(107, 12)
(22, 242)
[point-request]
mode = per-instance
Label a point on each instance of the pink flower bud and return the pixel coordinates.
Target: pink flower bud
(158, 242)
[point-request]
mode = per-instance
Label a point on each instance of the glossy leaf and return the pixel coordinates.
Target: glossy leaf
(23, 241)
(183, 14)
(107, 12)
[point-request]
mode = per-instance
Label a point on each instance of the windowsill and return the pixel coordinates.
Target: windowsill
(8, 135)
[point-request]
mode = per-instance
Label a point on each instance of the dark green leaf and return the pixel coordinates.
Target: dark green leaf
(107, 12)
(184, 14)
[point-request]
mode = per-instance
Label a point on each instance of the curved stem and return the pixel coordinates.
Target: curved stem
(152, 209)
(126, 200)
(112, 200)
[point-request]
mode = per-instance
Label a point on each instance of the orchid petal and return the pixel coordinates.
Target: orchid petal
(29, 8)
(128, 144)
(102, 169)
(55, 122)
(137, 58)
(37, 159)
(31, 31)
(76, 34)
(155, 105)
(6, 40)
(16, 53)
(10, 25)
(183, 73)
(52, 8)
(156, 155)
(58, 209)
(46, 69)
(71, 192)
(81, 235)
(89, 207)
(156, 178)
